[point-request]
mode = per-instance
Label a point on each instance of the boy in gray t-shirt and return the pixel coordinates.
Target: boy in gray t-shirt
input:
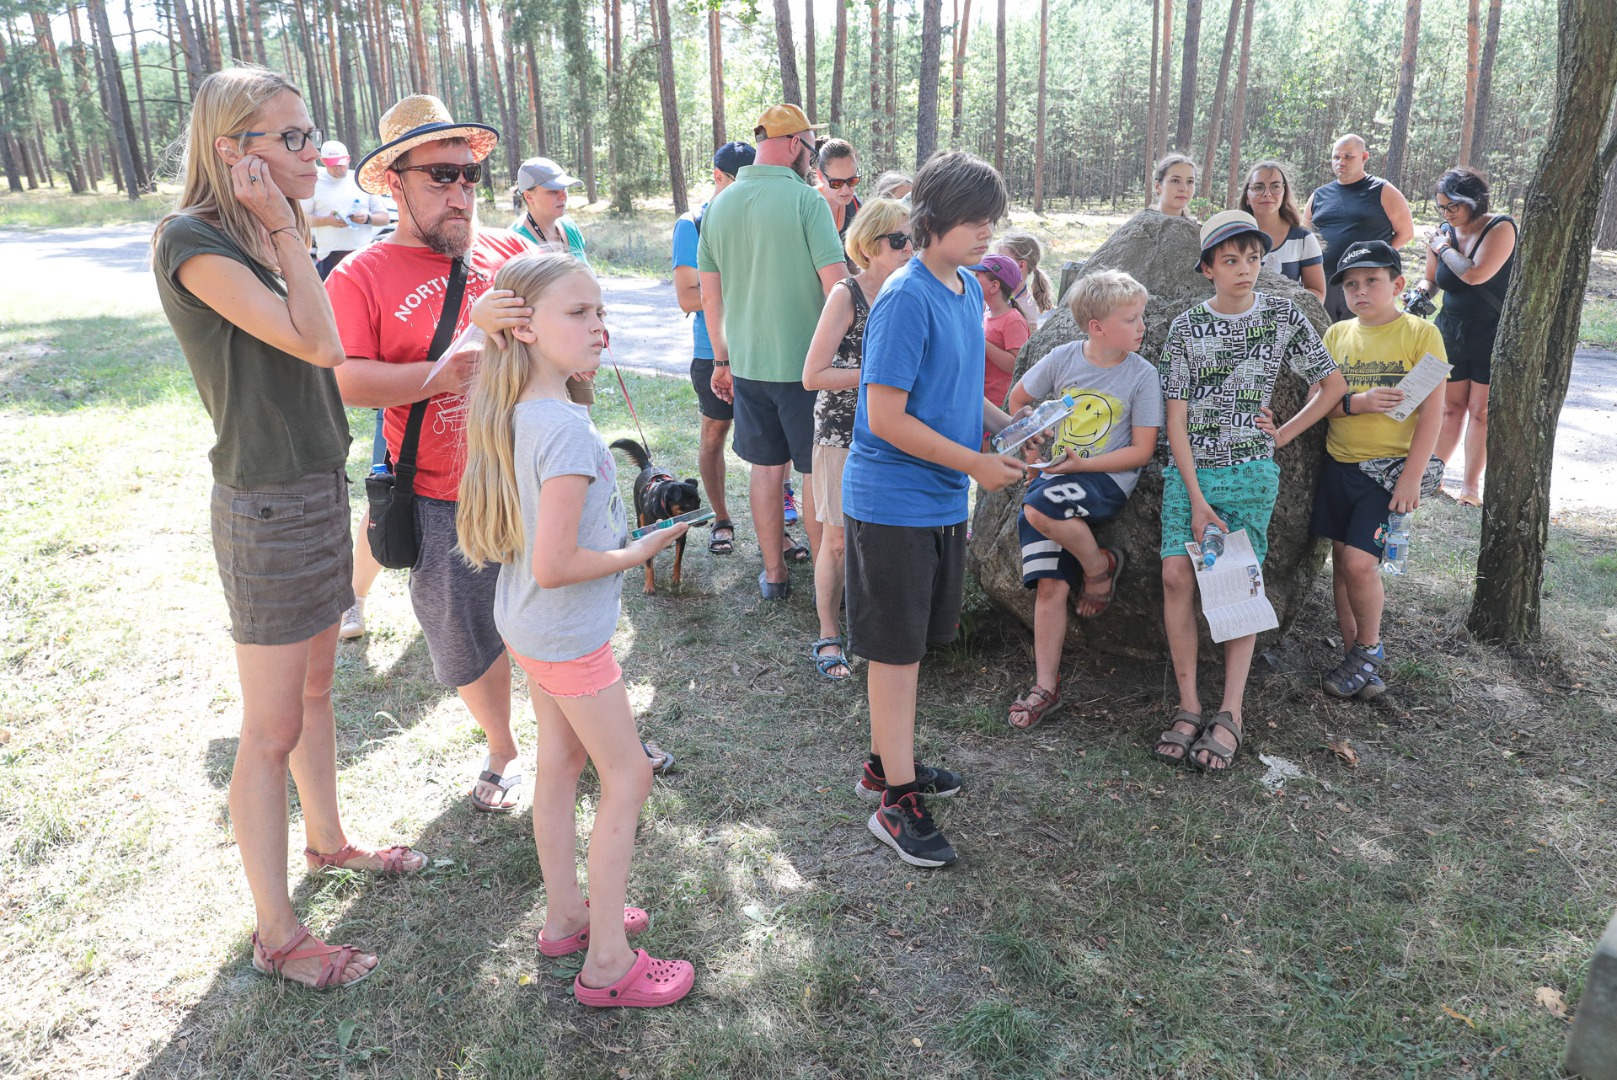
(1096, 458)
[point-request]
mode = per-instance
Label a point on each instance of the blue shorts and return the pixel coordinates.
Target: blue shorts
(1091, 496)
(1350, 508)
(1243, 495)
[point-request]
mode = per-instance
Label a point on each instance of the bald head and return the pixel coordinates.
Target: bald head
(1348, 158)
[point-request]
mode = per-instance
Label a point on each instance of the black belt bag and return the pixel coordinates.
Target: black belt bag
(391, 495)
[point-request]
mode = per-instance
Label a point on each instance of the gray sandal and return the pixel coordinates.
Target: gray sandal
(1206, 742)
(1178, 738)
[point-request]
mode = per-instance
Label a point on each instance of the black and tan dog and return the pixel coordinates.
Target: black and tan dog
(658, 496)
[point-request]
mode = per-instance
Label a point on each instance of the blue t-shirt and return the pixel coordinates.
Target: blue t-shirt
(923, 339)
(686, 238)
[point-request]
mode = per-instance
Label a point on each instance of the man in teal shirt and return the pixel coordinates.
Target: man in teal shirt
(543, 186)
(768, 255)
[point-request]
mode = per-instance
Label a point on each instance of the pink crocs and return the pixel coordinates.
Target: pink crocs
(634, 921)
(648, 984)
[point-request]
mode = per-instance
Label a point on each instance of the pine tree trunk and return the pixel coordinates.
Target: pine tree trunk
(491, 57)
(16, 160)
(419, 54)
(1238, 110)
(61, 111)
(890, 91)
(791, 90)
(1038, 131)
(1490, 45)
(513, 95)
(670, 103)
(839, 65)
(999, 89)
(345, 52)
(306, 41)
(119, 119)
(1538, 331)
(957, 102)
(231, 34)
(259, 51)
(1399, 139)
(1468, 112)
(140, 91)
(810, 94)
(194, 68)
(81, 86)
(1186, 128)
(1151, 96)
(1165, 81)
(1215, 116)
(715, 86)
(1606, 223)
(535, 99)
(875, 78)
(926, 97)
(473, 61)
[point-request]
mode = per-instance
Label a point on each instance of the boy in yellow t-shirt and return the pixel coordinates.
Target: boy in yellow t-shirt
(1365, 477)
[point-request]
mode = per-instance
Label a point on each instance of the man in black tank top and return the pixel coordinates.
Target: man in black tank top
(1352, 208)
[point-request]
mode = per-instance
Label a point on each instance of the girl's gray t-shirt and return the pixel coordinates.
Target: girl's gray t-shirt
(557, 438)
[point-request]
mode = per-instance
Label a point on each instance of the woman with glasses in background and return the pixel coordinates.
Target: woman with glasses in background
(1294, 251)
(838, 167)
(247, 305)
(1469, 256)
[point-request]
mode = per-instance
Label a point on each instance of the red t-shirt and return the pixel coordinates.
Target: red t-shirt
(387, 299)
(1010, 332)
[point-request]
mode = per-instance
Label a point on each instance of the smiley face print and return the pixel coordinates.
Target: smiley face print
(1093, 416)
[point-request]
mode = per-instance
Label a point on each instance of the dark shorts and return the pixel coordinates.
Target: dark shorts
(1091, 496)
(708, 403)
(453, 603)
(775, 424)
(378, 443)
(1470, 348)
(285, 557)
(1350, 507)
(329, 263)
(905, 587)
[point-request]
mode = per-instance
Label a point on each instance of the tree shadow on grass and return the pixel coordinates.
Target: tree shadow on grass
(62, 364)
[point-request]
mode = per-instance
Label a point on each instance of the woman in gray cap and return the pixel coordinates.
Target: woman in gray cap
(543, 186)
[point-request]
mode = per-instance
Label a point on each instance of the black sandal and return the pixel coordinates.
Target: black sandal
(797, 553)
(722, 545)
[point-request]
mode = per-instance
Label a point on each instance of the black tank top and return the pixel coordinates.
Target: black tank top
(1470, 303)
(1347, 213)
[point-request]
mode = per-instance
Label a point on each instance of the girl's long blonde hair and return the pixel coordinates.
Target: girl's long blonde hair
(1026, 247)
(488, 518)
(225, 105)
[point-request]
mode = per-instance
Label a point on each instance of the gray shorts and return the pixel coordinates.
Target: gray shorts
(285, 557)
(774, 424)
(453, 603)
(906, 585)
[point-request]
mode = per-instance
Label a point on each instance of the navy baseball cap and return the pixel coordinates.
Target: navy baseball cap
(1363, 253)
(732, 157)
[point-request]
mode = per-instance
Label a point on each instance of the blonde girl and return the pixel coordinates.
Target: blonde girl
(1173, 182)
(251, 315)
(539, 498)
(1035, 297)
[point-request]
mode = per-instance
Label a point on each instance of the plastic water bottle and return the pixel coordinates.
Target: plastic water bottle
(352, 210)
(1212, 544)
(379, 468)
(1396, 552)
(1047, 415)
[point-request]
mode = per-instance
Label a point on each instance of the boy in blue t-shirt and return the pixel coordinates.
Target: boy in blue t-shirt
(916, 434)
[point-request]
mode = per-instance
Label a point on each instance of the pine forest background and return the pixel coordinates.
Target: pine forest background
(1071, 98)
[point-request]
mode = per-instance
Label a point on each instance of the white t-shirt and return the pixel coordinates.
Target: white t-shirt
(334, 196)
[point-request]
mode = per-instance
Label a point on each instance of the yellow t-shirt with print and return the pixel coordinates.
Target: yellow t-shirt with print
(1372, 356)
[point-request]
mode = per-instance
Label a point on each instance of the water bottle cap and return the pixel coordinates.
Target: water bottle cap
(1066, 399)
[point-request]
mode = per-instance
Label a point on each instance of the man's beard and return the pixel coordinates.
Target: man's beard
(800, 163)
(450, 235)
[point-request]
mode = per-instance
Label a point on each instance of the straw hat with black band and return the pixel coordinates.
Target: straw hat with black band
(415, 121)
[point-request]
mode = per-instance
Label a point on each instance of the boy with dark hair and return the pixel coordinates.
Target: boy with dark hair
(916, 433)
(1219, 368)
(1366, 474)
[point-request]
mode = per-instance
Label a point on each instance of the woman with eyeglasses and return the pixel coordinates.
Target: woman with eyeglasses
(1470, 257)
(1294, 251)
(878, 243)
(247, 305)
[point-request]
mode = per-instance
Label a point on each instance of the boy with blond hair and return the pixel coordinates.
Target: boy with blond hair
(1096, 457)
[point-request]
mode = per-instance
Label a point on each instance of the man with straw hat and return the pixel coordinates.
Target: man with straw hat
(388, 299)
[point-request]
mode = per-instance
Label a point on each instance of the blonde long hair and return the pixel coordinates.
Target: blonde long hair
(488, 518)
(1026, 247)
(225, 105)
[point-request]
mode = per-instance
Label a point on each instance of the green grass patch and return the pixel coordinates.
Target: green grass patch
(1599, 325)
(55, 208)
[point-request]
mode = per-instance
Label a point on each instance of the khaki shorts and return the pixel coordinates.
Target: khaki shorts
(285, 557)
(826, 483)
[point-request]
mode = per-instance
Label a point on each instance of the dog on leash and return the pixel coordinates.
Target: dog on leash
(658, 496)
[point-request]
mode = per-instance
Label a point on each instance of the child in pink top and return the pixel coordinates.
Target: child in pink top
(1004, 327)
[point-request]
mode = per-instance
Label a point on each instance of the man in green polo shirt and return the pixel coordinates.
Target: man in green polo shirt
(768, 255)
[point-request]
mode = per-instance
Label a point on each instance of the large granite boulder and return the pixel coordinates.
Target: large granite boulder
(1161, 253)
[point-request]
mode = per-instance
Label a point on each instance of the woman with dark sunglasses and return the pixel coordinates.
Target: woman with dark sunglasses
(839, 176)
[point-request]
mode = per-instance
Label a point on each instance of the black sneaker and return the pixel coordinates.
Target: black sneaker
(907, 828)
(933, 783)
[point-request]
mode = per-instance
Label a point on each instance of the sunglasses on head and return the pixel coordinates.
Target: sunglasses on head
(445, 174)
(836, 184)
(898, 241)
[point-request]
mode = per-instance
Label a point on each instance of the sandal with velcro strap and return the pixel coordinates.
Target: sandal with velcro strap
(1207, 743)
(1179, 738)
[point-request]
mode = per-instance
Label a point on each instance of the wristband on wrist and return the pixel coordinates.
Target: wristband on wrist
(287, 228)
(1347, 403)
(721, 363)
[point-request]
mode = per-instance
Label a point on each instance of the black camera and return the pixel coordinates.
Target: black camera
(1417, 303)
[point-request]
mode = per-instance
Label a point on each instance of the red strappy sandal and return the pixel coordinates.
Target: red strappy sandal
(392, 857)
(303, 945)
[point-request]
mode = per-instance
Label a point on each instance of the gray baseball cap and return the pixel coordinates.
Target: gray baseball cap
(541, 172)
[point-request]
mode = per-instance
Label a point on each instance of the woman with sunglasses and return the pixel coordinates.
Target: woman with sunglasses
(1470, 258)
(878, 243)
(839, 175)
(247, 305)
(1294, 251)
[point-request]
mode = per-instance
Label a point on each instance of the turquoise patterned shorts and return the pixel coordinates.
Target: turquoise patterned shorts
(1243, 495)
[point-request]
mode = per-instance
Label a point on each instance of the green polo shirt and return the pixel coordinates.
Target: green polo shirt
(768, 235)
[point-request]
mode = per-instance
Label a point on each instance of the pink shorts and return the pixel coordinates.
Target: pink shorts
(584, 677)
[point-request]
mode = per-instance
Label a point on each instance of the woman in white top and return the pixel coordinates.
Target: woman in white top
(1294, 251)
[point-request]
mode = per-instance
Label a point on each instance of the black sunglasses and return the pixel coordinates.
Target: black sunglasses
(294, 141)
(445, 174)
(898, 241)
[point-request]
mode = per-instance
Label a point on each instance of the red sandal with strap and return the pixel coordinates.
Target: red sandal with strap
(392, 857)
(304, 946)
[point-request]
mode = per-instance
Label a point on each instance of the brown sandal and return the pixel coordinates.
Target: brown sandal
(1098, 604)
(334, 959)
(1225, 754)
(392, 857)
(1178, 738)
(1033, 708)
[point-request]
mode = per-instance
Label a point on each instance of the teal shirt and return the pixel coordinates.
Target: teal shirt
(768, 235)
(575, 239)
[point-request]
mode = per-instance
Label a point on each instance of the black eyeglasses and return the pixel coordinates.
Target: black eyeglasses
(1447, 208)
(898, 241)
(445, 174)
(293, 140)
